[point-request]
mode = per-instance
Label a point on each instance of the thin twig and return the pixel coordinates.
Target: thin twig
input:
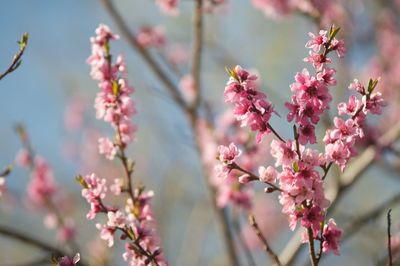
(23, 237)
(197, 49)
(16, 62)
(389, 223)
(313, 257)
(242, 240)
(266, 246)
(36, 262)
(357, 224)
(255, 177)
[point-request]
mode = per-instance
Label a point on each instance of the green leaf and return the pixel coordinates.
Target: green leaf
(333, 31)
(371, 85)
(81, 181)
(115, 88)
(295, 167)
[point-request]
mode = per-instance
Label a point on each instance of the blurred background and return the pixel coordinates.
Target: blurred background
(54, 81)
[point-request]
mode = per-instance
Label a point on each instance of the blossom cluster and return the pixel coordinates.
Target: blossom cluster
(151, 36)
(113, 103)
(310, 92)
(339, 141)
(136, 222)
(42, 191)
(251, 105)
(324, 11)
(299, 171)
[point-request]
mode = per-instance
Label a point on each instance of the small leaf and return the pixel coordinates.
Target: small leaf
(295, 167)
(115, 88)
(81, 181)
(371, 85)
(6, 171)
(333, 32)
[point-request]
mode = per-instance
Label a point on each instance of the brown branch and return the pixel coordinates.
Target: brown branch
(197, 49)
(35, 262)
(313, 257)
(358, 223)
(146, 56)
(16, 62)
(11, 233)
(266, 246)
(389, 222)
(242, 240)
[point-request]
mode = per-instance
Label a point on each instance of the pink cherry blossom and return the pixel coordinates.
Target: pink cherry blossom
(251, 106)
(317, 41)
(2, 186)
(331, 236)
(107, 148)
(228, 154)
(151, 37)
(66, 261)
(168, 7)
(268, 174)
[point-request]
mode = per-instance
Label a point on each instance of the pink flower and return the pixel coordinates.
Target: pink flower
(67, 231)
(228, 154)
(116, 219)
(106, 233)
(107, 148)
(116, 188)
(151, 37)
(338, 152)
(274, 8)
(317, 40)
(284, 153)
(2, 186)
(23, 158)
(41, 186)
(307, 134)
(312, 218)
(186, 84)
(268, 174)
(66, 261)
(331, 236)
(168, 7)
(349, 108)
(251, 106)
(357, 86)
(338, 46)
(374, 103)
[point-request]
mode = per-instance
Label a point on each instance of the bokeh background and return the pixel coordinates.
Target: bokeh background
(54, 74)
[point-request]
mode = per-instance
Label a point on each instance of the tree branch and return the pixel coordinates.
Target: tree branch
(266, 246)
(16, 62)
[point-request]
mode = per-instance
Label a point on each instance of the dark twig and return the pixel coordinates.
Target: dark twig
(266, 246)
(313, 257)
(358, 223)
(197, 49)
(389, 223)
(23, 237)
(16, 62)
